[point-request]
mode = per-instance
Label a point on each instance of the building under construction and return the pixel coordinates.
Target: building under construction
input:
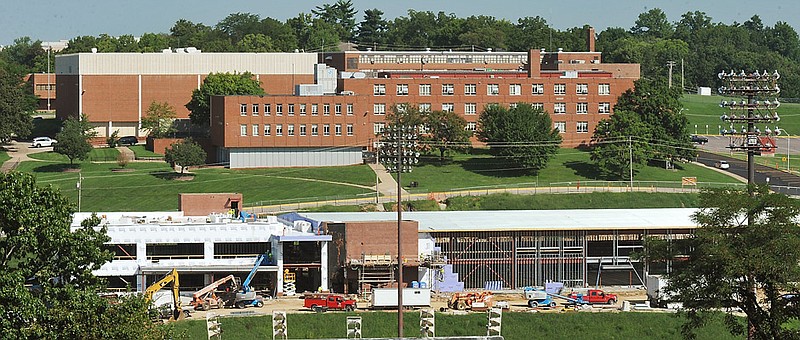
(512, 249)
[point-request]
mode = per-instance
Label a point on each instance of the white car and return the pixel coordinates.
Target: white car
(722, 164)
(39, 142)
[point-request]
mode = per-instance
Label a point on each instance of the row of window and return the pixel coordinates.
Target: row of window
(290, 130)
(491, 89)
(472, 108)
(290, 109)
(580, 127)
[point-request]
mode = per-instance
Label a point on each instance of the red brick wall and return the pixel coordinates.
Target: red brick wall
(227, 118)
(379, 238)
(160, 145)
(204, 204)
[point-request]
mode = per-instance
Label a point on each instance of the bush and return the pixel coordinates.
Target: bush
(122, 160)
(113, 139)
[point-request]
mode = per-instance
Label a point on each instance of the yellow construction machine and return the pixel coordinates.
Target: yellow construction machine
(172, 277)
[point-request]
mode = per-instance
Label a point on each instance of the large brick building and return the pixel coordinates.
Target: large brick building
(114, 90)
(324, 109)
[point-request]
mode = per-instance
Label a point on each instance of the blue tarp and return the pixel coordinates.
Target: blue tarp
(293, 216)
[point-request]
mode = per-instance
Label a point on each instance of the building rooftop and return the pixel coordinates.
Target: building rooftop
(522, 220)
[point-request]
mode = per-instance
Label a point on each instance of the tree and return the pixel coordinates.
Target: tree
(653, 24)
(612, 152)
(744, 255)
(523, 135)
(153, 42)
(74, 139)
(255, 43)
(15, 107)
(185, 153)
(220, 84)
(47, 289)
(340, 15)
(159, 119)
(660, 109)
(372, 30)
(237, 25)
(445, 130)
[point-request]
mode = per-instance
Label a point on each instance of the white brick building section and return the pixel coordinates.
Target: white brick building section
(184, 63)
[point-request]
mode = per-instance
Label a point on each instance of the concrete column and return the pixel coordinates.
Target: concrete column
(110, 128)
(323, 271)
(141, 258)
(139, 125)
(208, 251)
(207, 279)
(277, 252)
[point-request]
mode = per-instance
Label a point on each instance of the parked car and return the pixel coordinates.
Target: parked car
(39, 142)
(128, 140)
(722, 165)
(699, 139)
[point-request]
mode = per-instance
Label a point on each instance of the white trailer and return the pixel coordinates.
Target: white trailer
(657, 294)
(412, 297)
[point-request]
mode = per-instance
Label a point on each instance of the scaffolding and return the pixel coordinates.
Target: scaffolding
(373, 271)
(516, 259)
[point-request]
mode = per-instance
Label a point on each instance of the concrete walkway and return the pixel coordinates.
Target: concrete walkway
(18, 151)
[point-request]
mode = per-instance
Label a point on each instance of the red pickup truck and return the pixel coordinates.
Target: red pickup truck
(595, 296)
(323, 302)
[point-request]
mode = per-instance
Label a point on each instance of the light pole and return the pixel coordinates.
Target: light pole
(399, 154)
(753, 87)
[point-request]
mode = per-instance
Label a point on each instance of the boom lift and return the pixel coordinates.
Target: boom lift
(246, 296)
(206, 299)
(171, 277)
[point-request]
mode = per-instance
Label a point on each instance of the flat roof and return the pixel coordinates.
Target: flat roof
(529, 220)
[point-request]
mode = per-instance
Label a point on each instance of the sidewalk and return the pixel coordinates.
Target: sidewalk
(18, 151)
(387, 185)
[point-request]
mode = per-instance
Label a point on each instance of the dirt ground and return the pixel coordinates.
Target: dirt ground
(516, 301)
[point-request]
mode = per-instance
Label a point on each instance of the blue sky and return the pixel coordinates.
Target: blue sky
(52, 20)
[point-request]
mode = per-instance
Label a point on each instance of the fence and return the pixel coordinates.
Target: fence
(570, 187)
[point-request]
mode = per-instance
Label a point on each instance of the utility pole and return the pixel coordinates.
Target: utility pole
(683, 87)
(670, 64)
(80, 179)
(630, 156)
(49, 48)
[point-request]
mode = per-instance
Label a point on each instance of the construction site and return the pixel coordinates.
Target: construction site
(453, 260)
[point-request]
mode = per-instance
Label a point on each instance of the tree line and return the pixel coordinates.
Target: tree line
(696, 41)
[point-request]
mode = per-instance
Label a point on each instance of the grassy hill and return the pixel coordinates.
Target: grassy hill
(705, 110)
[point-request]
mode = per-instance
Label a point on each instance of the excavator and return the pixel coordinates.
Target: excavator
(171, 277)
(206, 298)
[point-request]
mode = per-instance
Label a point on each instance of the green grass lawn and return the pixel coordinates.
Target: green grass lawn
(596, 200)
(4, 156)
(140, 152)
(515, 326)
(96, 155)
(481, 170)
(150, 186)
(705, 110)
